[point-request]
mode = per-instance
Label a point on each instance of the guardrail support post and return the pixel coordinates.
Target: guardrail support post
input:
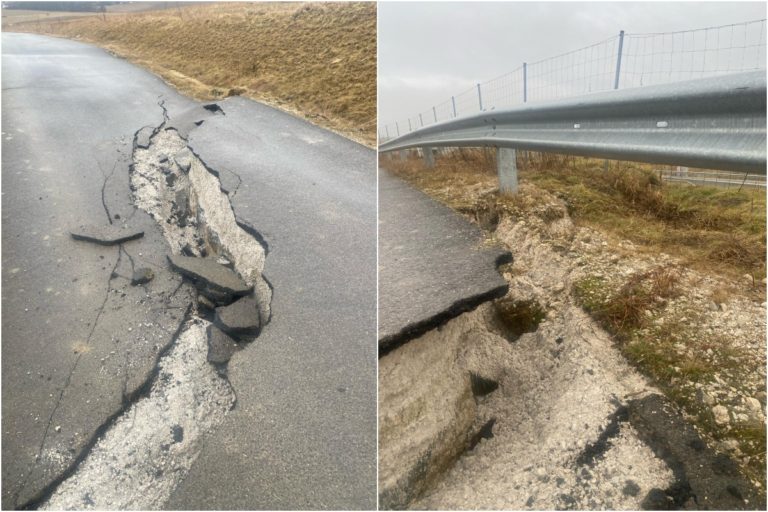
(403, 155)
(453, 102)
(429, 157)
(525, 82)
(480, 97)
(618, 60)
(506, 164)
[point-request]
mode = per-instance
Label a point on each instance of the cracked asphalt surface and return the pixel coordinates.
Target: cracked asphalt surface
(79, 342)
(434, 269)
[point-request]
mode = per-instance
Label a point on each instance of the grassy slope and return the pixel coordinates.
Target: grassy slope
(315, 60)
(714, 230)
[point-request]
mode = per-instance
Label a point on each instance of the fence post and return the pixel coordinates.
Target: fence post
(525, 82)
(409, 125)
(429, 157)
(421, 119)
(480, 97)
(398, 128)
(618, 60)
(453, 102)
(506, 165)
(386, 130)
(434, 113)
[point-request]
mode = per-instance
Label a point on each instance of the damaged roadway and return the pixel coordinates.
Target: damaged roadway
(433, 264)
(80, 343)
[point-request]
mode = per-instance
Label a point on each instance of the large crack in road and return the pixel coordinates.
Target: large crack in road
(147, 450)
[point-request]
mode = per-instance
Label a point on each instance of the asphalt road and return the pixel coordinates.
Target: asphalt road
(433, 263)
(79, 342)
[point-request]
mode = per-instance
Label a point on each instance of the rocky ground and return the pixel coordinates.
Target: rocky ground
(570, 424)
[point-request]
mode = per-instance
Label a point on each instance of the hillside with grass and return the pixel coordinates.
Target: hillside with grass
(316, 60)
(674, 273)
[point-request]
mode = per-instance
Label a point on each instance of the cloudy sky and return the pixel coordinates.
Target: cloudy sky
(429, 51)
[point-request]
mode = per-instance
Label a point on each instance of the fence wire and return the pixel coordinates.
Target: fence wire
(622, 61)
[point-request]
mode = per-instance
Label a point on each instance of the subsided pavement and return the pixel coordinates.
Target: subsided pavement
(433, 264)
(81, 345)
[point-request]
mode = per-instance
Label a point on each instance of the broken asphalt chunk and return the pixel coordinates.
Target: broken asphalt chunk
(241, 318)
(215, 281)
(142, 275)
(143, 136)
(106, 234)
(220, 346)
(212, 107)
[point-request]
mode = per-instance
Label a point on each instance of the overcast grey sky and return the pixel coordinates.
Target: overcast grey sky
(429, 51)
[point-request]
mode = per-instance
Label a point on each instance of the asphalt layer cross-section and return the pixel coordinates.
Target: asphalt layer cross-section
(433, 264)
(80, 343)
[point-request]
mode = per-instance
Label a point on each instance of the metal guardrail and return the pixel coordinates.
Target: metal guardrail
(715, 123)
(624, 61)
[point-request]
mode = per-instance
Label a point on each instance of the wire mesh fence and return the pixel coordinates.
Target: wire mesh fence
(622, 61)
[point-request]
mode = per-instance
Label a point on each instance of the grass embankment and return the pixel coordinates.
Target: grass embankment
(316, 60)
(713, 230)
(660, 319)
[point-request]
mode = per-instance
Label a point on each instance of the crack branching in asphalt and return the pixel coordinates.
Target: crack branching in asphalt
(154, 440)
(68, 380)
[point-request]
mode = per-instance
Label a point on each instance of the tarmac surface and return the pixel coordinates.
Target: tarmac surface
(433, 264)
(80, 344)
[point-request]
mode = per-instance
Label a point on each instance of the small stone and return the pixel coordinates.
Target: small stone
(170, 179)
(106, 234)
(162, 158)
(721, 415)
(241, 318)
(57, 428)
(142, 275)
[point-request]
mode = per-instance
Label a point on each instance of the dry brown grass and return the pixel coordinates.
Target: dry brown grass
(641, 294)
(317, 60)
